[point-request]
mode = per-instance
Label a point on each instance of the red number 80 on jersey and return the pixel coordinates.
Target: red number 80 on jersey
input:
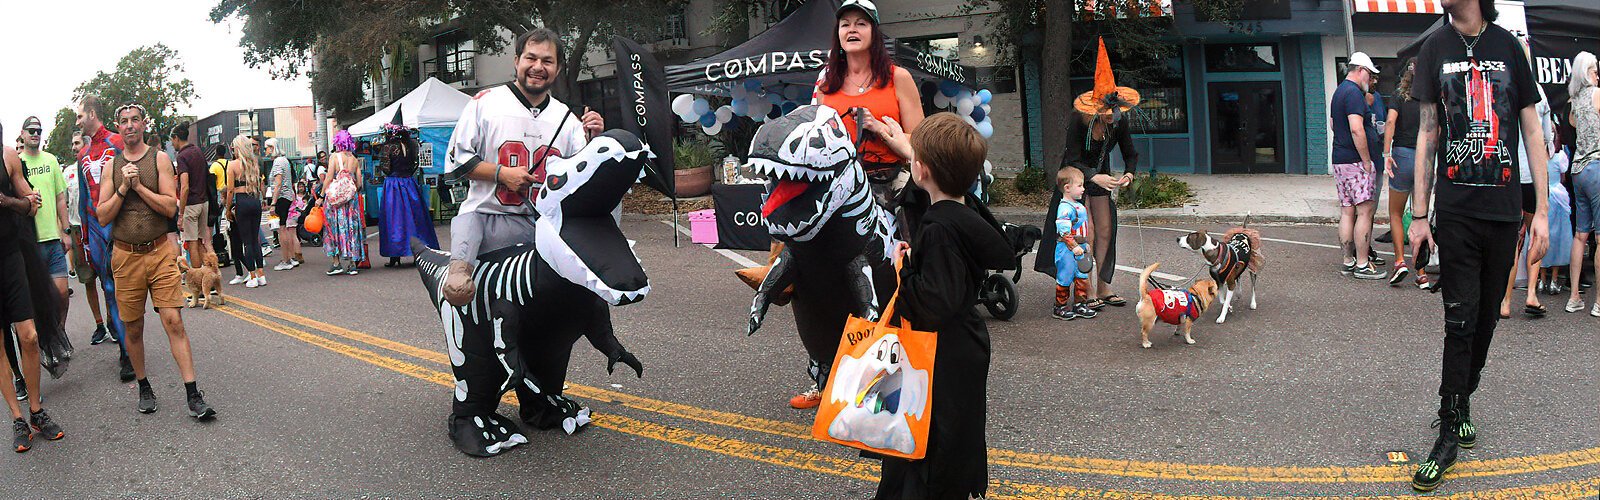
(515, 154)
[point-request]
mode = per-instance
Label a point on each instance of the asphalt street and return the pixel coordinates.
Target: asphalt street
(337, 387)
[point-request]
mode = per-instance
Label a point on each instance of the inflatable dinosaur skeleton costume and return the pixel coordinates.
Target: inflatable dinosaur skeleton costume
(533, 302)
(838, 240)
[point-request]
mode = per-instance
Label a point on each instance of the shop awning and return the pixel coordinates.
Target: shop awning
(1399, 6)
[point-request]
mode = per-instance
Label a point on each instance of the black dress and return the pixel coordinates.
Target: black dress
(938, 292)
(1092, 157)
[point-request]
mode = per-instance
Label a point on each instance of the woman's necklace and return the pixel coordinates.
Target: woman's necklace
(862, 87)
(1475, 38)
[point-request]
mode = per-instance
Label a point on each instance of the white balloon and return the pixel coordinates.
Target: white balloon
(760, 107)
(988, 168)
(986, 110)
(714, 129)
(683, 104)
(758, 117)
(964, 107)
(940, 101)
(724, 113)
(689, 116)
(969, 120)
(985, 128)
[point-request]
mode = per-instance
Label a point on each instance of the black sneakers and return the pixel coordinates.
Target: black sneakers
(23, 435)
(46, 427)
(100, 335)
(198, 407)
(1063, 313)
(127, 370)
(1084, 311)
(147, 400)
(1445, 449)
(22, 389)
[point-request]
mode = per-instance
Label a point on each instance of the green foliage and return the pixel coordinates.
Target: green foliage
(349, 37)
(1031, 180)
(693, 153)
(1155, 191)
(59, 142)
(151, 76)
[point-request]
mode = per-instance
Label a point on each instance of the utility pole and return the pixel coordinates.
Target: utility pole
(1349, 30)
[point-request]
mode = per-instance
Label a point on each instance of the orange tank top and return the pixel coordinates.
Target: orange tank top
(882, 102)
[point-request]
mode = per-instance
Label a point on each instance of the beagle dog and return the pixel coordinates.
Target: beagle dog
(1170, 305)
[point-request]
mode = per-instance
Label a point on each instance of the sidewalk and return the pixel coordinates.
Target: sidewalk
(1264, 197)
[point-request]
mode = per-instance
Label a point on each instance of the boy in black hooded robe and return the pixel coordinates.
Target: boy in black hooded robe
(947, 259)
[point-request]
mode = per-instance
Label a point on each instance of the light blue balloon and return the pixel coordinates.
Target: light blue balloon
(708, 119)
(985, 129)
(689, 117)
(740, 107)
(984, 96)
(776, 98)
(701, 106)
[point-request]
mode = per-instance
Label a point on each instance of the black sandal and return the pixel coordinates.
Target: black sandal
(1114, 300)
(1534, 312)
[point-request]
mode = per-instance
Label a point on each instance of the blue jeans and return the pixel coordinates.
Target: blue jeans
(55, 258)
(1586, 197)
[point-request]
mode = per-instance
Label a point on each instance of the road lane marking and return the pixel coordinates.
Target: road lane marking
(1028, 460)
(730, 254)
(1276, 240)
(850, 468)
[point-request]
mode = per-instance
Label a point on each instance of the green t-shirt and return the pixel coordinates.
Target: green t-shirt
(44, 173)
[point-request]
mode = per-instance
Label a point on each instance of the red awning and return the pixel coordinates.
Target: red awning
(1399, 6)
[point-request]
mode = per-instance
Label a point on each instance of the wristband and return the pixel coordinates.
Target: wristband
(1418, 217)
(497, 174)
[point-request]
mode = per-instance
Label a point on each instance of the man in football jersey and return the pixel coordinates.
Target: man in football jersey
(499, 145)
(102, 148)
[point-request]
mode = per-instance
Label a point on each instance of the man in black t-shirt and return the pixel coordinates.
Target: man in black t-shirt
(1477, 99)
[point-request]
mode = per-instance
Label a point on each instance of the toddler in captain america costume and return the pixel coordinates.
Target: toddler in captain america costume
(1072, 249)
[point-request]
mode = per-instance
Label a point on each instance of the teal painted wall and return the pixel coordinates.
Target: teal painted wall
(1033, 108)
(1316, 105)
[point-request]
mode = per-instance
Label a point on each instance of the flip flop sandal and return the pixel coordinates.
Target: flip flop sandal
(1534, 312)
(1096, 304)
(1114, 300)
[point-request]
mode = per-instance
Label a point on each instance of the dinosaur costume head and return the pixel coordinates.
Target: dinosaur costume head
(812, 170)
(578, 233)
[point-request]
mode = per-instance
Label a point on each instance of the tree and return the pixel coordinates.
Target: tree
(350, 38)
(59, 142)
(150, 76)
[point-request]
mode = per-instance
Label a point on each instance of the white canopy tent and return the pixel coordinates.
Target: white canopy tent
(432, 104)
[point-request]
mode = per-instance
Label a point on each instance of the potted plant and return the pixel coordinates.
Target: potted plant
(694, 160)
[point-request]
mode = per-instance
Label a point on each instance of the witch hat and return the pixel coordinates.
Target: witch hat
(1106, 97)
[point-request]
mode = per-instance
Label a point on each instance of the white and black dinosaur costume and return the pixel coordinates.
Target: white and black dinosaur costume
(534, 302)
(838, 241)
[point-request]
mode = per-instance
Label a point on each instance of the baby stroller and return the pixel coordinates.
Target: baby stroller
(998, 293)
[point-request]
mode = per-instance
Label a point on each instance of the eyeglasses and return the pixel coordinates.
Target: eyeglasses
(33, 131)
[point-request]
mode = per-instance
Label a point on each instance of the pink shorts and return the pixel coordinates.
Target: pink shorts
(1354, 183)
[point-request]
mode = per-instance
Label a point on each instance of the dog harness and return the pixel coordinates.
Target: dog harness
(1232, 259)
(1172, 306)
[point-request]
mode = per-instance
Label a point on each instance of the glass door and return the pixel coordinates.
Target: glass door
(1246, 127)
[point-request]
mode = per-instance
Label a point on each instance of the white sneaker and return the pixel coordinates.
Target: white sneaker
(236, 280)
(293, 263)
(252, 283)
(261, 280)
(283, 266)
(1575, 305)
(265, 251)
(1595, 311)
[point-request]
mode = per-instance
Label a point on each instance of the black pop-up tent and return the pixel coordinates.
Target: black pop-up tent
(794, 52)
(1557, 31)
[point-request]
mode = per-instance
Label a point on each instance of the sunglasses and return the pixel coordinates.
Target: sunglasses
(33, 131)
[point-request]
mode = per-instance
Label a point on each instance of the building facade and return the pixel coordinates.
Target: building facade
(295, 128)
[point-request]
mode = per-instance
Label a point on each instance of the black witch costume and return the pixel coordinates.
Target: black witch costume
(1091, 155)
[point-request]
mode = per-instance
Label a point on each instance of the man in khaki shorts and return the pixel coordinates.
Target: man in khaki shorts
(141, 201)
(193, 227)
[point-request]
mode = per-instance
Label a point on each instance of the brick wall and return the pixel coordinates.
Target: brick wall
(1313, 76)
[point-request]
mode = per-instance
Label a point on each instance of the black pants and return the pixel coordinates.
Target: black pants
(1475, 259)
(246, 240)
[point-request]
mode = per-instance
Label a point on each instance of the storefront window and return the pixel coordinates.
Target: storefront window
(946, 46)
(1388, 76)
(1242, 57)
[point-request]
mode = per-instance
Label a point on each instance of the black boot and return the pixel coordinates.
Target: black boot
(1443, 457)
(126, 372)
(1466, 433)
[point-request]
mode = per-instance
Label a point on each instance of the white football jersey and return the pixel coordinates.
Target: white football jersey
(501, 127)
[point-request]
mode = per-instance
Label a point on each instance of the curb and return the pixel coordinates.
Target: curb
(1182, 216)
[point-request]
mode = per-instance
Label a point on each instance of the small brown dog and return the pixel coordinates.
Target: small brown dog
(1173, 307)
(202, 281)
(1238, 252)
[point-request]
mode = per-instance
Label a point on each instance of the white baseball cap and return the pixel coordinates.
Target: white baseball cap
(1361, 60)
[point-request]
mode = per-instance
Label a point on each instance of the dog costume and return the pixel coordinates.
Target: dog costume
(1172, 306)
(533, 302)
(838, 241)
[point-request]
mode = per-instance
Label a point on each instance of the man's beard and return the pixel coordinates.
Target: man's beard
(530, 89)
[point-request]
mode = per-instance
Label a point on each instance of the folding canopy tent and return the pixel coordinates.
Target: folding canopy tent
(432, 108)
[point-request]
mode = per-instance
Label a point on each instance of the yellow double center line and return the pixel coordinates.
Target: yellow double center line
(867, 470)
